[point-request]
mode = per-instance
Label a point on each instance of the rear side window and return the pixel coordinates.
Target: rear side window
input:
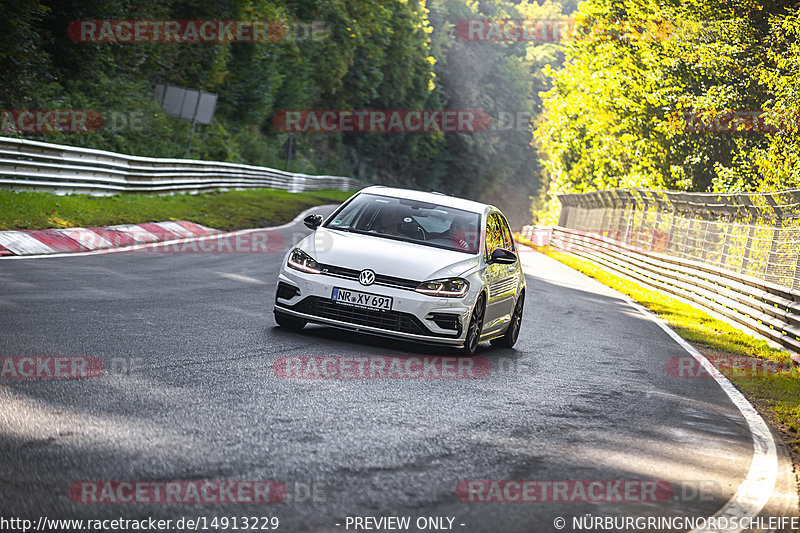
(494, 234)
(508, 240)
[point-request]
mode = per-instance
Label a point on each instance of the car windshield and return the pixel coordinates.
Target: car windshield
(414, 221)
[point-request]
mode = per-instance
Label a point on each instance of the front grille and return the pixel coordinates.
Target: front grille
(380, 279)
(339, 272)
(386, 320)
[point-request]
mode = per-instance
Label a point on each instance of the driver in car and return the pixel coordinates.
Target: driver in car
(460, 233)
(394, 222)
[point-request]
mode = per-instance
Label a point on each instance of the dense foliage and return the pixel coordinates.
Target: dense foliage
(668, 95)
(375, 54)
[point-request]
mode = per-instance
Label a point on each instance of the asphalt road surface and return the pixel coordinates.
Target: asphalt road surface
(189, 393)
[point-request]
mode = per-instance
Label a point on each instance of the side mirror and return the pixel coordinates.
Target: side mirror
(312, 221)
(503, 256)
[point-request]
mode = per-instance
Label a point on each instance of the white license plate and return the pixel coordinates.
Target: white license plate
(361, 299)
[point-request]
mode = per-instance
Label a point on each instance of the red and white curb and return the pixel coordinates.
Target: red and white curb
(77, 240)
(164, 237)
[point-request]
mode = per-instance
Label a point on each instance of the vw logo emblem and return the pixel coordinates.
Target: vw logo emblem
(367, 277)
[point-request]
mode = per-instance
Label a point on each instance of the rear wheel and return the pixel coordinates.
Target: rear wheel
(289, 322)
(475, 326)
(511, 335)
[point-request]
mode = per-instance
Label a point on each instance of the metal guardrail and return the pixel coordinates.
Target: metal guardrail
(767, 308)
(737, 255)
(34, 165)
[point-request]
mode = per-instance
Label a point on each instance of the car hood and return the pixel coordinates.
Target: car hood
(386, 256)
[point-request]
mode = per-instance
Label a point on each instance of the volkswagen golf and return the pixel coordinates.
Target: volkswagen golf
(420, 266)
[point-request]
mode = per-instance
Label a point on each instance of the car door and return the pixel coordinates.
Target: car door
(510, 277)
(501, 279)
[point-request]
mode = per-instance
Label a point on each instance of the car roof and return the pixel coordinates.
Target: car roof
(432, 197)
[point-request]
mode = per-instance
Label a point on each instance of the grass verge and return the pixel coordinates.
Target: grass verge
(765, 375)
(229, 210)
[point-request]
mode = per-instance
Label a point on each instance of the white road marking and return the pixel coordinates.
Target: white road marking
(239, 277)
(755, 491)
(759, 484)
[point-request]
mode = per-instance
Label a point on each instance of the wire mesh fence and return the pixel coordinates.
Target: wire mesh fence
(754, 234)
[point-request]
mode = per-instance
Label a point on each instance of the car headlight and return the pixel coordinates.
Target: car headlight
(449, 288)
(299, 260)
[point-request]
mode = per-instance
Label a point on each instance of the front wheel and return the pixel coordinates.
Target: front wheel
(475, 326)
(511, 335)
(289, 322)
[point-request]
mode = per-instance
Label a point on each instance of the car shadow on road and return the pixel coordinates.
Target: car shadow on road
(501, 361)
(388, 345)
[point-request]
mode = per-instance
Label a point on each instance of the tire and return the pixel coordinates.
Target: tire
(289, 322)
(509, 338)
(473, 337)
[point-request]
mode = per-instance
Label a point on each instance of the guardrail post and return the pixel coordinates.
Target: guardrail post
(640, 196)
(563, 215)
(773, 253)
(583, 202)
(773, 247)
(626, 213)
(796, 277)
(748, 245)
(605, 208)
(726, 243)
(689, 231)
(747, 248)
(705, 243)
(671, 230)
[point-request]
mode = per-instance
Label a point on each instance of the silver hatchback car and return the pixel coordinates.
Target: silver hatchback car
(416, 265)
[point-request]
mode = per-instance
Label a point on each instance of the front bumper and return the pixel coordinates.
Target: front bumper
(411, 318)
